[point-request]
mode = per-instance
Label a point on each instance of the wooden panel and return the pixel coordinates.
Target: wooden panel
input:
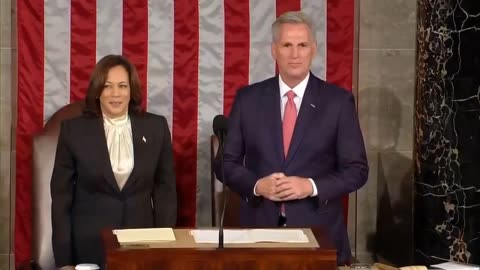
(119, 258)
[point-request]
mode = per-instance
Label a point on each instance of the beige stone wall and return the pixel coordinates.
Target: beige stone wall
(385, 95)
(6, 142)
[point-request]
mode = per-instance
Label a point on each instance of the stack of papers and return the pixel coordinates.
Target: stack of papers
(456, 266)
(131, 236)
(251, 236)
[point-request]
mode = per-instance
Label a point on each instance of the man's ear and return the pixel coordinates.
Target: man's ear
(273, 51)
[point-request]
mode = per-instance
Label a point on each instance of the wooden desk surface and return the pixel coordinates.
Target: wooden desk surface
(209, 257)
(184, 239)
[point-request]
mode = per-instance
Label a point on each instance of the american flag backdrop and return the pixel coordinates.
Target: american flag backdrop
(192, 56)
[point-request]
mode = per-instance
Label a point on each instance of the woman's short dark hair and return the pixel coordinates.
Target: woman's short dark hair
(97, 84)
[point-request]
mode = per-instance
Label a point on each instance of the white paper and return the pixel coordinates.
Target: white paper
(251, 236)
(456, 266)
(145, 235)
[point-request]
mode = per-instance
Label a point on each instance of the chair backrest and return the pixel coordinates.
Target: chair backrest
(44, 147)
(232, 210)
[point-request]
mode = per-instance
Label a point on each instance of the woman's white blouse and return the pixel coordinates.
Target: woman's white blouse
(118, 132)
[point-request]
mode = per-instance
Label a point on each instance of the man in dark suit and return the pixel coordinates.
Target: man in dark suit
(294, 145)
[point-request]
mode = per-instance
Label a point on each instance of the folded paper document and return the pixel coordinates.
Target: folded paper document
(131, 236)
(456, 266)
(251, 236)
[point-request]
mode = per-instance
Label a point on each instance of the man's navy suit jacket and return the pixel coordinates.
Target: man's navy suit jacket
(327, 146)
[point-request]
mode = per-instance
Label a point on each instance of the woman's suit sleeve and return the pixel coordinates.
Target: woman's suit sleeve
(62, 188)
(165, 192)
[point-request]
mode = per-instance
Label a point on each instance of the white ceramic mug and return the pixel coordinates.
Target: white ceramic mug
(87, 266)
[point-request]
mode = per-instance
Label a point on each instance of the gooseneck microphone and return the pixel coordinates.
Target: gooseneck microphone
(220, 127)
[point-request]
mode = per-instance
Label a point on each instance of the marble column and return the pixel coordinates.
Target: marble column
(447, 132)
(7, 97)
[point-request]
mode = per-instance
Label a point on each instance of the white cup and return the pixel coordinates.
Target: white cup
(87, 266)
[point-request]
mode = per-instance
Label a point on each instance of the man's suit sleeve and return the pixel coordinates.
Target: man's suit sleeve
(239, 178)
(352, 166)
(62, 188)
(165, 191)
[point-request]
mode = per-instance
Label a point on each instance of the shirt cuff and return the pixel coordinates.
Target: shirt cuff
(314, 187)
(255, 187)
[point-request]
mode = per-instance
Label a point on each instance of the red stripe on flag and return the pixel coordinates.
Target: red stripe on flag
(135, 39)
(340, 27)
(237, 43)
(185, 107)
(30, 40)
(283, 6)
(83, 45)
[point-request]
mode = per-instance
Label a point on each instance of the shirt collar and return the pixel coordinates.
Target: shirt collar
(117, 121)
(299, 89)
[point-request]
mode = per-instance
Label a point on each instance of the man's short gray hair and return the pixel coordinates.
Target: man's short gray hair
(294, 17)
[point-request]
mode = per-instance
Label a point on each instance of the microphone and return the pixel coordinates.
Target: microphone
(220, 127)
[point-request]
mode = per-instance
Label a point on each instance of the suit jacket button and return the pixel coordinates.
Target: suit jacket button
(246, 199)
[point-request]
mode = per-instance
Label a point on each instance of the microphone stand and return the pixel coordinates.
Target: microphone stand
(224, 192)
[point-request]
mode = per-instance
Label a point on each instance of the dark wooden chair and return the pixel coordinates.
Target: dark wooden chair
(44, 148)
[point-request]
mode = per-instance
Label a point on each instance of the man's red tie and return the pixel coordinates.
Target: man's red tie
(289, 119)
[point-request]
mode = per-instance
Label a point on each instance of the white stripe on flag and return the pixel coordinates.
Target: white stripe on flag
(109, 27)
(210, 96)
(160, 59)
(261, 64)
(57, 56)
(317, 10)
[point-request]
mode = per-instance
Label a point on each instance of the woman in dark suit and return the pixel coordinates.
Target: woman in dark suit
(113, 167)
